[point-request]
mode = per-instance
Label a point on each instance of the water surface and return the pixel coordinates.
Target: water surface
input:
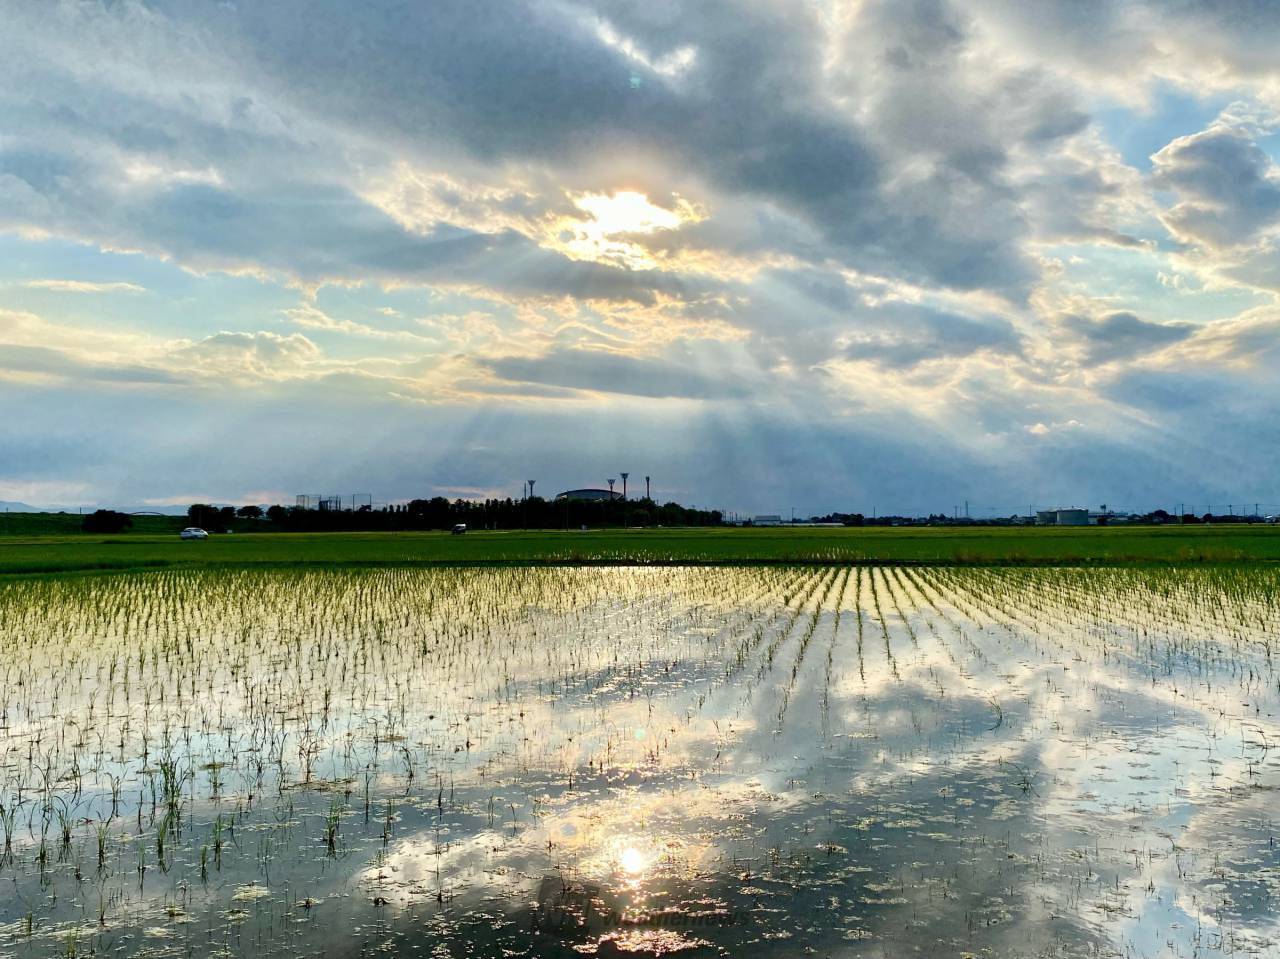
(840, 761)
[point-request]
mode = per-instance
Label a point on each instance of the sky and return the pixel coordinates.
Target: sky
(854, 255)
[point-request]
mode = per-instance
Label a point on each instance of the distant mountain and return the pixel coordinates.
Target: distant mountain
(13, 506)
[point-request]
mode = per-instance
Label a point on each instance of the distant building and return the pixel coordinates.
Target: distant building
(767, 519)
(1062, 517)
(588, 494)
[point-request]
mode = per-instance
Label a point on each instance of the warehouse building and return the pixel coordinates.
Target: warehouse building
(1062, 517)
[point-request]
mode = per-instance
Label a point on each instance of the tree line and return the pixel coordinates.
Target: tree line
(438, 513)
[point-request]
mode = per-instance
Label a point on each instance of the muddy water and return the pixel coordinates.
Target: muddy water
(698, 761)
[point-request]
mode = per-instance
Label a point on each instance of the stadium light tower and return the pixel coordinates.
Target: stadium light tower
(611, 481)
(624, 484)
(531, 482)
(646, 488)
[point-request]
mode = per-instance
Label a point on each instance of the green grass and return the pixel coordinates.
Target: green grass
(68, 524)
(978, 546)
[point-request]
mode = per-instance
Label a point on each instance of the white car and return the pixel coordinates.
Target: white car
(194, 532)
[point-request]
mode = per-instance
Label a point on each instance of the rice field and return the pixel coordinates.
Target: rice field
(715, 546)
(557, 761)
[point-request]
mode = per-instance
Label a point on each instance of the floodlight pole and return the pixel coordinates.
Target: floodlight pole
(625, 519)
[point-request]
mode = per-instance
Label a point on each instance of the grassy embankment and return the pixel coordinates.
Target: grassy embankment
(26, 553)
(68, 524)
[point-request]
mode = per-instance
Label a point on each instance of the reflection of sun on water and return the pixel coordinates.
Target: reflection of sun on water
(632, 861)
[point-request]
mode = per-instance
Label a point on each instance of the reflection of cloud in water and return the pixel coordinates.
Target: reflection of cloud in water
(854, 761)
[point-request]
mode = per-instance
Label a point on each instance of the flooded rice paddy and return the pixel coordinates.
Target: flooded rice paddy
(558, 762)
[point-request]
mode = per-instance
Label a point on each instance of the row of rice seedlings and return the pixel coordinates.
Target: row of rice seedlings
(146, 719)
(274, 703)
(832, 585)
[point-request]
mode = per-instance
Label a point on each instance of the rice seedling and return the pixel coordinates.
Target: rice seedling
(1000, 761)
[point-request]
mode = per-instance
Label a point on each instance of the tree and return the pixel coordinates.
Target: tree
(249, 512)
(277, 514)
(206, 517)
(106, 521)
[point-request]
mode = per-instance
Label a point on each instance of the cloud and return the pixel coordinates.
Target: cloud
(1250, 341)
(732, 103)
(1127, 50)
(918, 231)
(262, 355)
(31, 345)
(309, 316)
(83, 286)
(1228, 189)
(44, 361)
(903, 336)
(1123, 336)
(606, 372)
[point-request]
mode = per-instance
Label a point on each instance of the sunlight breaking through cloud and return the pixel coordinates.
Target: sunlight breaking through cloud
(615, 220)
(898, 240)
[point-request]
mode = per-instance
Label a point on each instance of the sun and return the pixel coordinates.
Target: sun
(626, 212)
(608, 224)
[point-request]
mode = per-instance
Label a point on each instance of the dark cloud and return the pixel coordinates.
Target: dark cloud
(1228, 188)
(319, 234)
(901, 336)
(1123, 336)
(296, 96)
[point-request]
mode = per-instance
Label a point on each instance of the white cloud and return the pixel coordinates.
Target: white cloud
(83, 286)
